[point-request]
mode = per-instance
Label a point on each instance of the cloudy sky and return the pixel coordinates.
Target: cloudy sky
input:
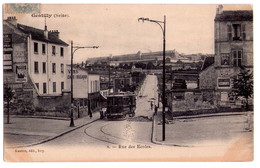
(115, 28)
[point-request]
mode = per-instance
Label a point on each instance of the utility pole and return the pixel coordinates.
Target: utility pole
(163, 28)
(73, 50)
(71, 86)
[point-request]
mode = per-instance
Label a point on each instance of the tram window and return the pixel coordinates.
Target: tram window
(120, 101)
(126, 101)
(110, 101)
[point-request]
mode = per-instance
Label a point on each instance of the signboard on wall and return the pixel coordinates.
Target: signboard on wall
(7, 41)
(21, 73)
(224, 82)
(8, 61)
(80, 83)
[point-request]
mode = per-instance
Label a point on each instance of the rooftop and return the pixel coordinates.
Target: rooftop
(207, 62)
(236, 15)
(38, 34)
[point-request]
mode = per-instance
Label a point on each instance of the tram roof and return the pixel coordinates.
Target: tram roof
(121, 94)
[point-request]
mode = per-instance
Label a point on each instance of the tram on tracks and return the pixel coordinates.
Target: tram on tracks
(120, 105)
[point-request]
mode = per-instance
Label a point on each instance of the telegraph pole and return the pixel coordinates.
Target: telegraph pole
(73, 50)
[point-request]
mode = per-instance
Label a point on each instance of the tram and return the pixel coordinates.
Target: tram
(120, 105)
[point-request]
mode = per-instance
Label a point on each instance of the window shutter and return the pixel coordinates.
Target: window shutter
(229, 32)
(244, 31)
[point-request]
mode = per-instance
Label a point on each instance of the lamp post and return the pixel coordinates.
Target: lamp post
(73, 50)
(160, 23)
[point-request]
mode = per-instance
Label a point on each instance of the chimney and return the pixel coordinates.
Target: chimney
(45, 29)
(45, 32)
(219, 9)
(56, 33)
(12, 20)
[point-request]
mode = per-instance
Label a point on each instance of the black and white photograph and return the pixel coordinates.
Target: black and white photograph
(128, 82)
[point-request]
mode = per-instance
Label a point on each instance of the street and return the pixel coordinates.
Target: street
(213, 131)
(211, 136)
(103, 132)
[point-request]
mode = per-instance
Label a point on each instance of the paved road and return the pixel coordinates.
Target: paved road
(203, 137)
(105, 132)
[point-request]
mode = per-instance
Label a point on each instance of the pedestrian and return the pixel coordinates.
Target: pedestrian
(155, 110)
(90, 113)
(101, 114)
(151, 105)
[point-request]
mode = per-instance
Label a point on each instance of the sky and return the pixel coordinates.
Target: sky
(116, 30)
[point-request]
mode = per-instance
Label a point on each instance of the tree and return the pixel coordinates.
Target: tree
(243, 85)
(8, 96)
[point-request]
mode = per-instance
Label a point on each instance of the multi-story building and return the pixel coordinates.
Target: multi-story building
(44, 53)
(34, 60)
(233, 48)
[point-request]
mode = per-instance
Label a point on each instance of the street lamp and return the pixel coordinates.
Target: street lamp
(73, 50)
(163, 28)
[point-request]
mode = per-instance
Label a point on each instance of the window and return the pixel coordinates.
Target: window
(44, 67)
(237, 57)
(62, 68)
(54, 87)
(37, 85)
(53, 50)
(36, 67)
(62, 51)
(237, 32)
(225, 59)
(35, 48)
(53, 68)
(44, 87)
(62, 85)
(91, 85)
(244, 31)
(229, 31)
(43, 49)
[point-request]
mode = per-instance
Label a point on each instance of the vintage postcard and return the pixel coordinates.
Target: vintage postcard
(135, 82)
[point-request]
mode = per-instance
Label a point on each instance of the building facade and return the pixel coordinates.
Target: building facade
(86, 88)
(233, 49)
(34, 62)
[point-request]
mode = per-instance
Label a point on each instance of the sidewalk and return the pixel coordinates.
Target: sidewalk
(190, 131)
(29, 131)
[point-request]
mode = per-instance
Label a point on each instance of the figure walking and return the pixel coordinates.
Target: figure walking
(151, 105)
(155, 110)
(90, 114)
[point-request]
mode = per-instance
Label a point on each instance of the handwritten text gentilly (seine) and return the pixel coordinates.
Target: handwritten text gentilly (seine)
(49, 15)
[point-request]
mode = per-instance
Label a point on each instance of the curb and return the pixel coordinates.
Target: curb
(153, 139)
(56, 136)
(210, 115)
(42, 117)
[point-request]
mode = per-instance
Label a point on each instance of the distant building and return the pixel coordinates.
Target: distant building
(233, 49)
(133, 58)
(122, 84)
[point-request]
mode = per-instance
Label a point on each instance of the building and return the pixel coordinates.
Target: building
(86, 88)
(153, 57)
(233, 49)
(207, 80)
(34, 63)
